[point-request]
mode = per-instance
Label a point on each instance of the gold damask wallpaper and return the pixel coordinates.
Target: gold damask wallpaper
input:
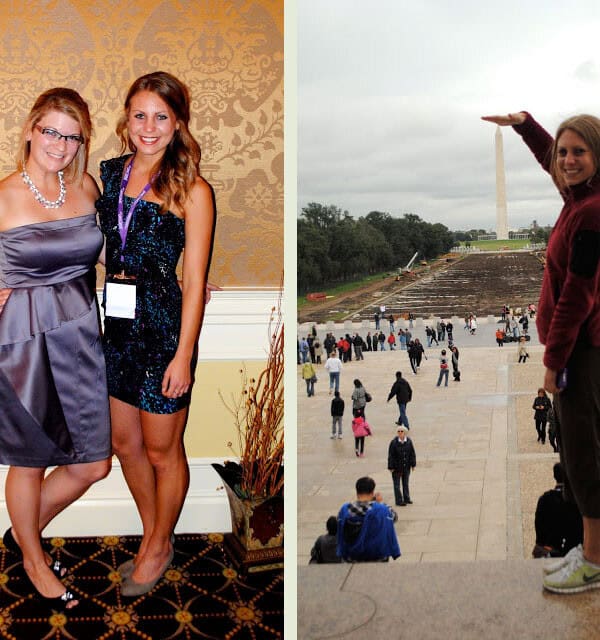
(230, 55)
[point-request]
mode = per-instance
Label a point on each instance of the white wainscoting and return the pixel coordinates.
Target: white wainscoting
(235, 328)
(236, 325)
(107, 508)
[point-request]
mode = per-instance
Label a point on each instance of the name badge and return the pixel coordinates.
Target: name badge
(120, 299)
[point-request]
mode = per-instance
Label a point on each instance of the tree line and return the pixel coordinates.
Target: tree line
(333, 247)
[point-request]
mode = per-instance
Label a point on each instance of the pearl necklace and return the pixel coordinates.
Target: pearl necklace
(47, 204)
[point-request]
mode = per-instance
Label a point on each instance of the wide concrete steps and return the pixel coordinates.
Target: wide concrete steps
(486, 600)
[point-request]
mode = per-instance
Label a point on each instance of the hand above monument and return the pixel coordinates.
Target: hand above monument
(507, 120)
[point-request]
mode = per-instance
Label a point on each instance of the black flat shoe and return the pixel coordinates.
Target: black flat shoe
(12, 545)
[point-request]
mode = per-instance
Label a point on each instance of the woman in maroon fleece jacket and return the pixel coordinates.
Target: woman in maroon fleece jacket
(568, 325)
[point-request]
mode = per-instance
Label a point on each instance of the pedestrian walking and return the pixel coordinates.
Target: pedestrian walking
(333, 365)
(522, 351)
(541, 406)
(402, 460)
(500, 336)
(360, 397)
(310, 377)
(443, 369)
(361, 429)
(402, 390)
(337, 412)
(449, 331)
(454, 358)
(318, 350)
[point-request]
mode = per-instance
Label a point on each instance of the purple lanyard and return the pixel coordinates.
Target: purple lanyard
(122, 221)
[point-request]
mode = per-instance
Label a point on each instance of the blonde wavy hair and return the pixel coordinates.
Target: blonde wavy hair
(180, 165)
(70, 103)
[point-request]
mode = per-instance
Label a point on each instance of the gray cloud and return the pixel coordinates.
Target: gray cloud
(390, 96)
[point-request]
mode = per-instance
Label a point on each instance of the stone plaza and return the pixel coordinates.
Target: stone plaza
(466, 541)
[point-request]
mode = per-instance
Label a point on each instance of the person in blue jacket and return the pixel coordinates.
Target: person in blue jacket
(366, 527)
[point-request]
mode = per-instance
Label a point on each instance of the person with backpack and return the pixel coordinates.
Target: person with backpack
(366, 527)
(443, 369)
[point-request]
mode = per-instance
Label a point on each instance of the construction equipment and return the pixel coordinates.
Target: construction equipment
(406, 269)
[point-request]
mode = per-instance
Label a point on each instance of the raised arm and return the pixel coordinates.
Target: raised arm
(510, 119)
(534, 135)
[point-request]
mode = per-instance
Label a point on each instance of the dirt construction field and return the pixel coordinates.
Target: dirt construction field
(478, 283)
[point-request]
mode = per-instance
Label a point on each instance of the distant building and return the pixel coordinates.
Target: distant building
(518, 235)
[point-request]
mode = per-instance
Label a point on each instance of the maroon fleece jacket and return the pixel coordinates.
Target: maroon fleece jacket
(569, 306)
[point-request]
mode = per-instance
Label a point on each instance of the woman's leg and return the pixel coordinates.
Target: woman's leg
(163, 440)
(128, 446)
(65, 484)
(23, 499)
(591, 539)
(543, 431)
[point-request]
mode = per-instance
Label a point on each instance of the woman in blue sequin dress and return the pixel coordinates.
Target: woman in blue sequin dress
(154, 206)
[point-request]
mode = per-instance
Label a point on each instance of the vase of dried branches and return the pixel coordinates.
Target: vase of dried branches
(254, 483)
(256, 539)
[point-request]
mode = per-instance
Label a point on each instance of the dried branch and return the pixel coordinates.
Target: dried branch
(258, 417)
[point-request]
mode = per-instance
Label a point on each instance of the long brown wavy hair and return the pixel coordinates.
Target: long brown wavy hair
(180, 165)
(587, 127)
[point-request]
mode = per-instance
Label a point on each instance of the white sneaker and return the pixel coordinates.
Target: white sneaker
(574, 577)
(556, 564)
(332, 436)
(340, 436)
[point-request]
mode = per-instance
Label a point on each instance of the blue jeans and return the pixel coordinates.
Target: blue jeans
(310, 387)
(443, 374)
(334, 378)
(396, 476)
(403, 419)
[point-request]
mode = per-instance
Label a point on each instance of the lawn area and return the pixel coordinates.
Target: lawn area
(495, 245)
(347, 286)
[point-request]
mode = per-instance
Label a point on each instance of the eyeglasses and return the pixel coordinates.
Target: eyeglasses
(53, 134)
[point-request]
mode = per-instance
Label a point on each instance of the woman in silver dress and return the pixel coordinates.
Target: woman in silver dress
(53, 398)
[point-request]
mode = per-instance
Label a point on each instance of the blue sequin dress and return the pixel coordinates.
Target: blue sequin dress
(139, 350)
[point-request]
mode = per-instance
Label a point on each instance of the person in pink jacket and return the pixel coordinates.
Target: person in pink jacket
(360, 429)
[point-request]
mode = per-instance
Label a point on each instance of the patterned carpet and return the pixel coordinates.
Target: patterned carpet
(200, 596)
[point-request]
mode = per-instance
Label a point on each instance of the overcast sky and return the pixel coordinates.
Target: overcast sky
(390, 93)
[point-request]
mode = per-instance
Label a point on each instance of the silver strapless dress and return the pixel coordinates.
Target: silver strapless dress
(53, 398)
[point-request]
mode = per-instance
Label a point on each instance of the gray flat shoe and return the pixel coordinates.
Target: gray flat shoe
(126, 568)
(130, 588)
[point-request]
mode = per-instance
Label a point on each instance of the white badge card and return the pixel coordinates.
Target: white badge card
(120, 300)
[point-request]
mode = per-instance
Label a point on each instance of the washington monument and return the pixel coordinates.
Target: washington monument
(501, 214)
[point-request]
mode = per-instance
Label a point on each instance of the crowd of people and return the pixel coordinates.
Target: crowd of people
(346, 539)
